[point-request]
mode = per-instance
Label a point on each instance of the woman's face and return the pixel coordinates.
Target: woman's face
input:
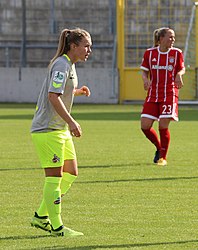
(168, 40)
(83, 49)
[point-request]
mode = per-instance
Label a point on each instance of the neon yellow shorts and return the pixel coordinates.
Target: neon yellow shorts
(54, 147)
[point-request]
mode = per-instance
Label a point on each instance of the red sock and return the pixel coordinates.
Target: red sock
(152, 136)
(165, 140)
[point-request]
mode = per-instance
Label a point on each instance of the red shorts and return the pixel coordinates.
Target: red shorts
(158, 110)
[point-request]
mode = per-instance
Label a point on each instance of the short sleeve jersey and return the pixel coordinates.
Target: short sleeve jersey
(163, 67)
(61, 79)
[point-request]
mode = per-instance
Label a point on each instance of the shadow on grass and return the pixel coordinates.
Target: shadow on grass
(81, 167)
(107, 116)
(129, 246)
(18, 169)
(184, 115)
(23, 237)
(16, 117)
(136, 245)
(173, 178)
(140, 180)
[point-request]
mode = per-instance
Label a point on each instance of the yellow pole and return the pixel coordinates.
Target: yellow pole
(120, 47)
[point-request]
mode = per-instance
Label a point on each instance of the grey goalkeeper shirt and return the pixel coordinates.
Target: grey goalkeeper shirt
(61, 79)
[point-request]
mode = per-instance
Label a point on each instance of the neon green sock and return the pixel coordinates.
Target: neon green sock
(52, 198)
(66, 182)
(42, 211)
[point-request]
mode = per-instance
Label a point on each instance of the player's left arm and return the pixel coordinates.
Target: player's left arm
(84, 90)
(178, 79)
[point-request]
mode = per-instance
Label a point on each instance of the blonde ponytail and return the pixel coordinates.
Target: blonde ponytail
(155, 38)
(61, 44)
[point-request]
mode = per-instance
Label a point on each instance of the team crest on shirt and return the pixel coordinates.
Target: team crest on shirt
(59, 76)
(171, 59)
(71, 76)
(55, 159)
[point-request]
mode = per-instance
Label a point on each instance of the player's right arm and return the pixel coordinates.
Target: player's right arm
(60, 108)
(145, 67)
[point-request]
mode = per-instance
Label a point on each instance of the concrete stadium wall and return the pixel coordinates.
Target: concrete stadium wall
(26, 89)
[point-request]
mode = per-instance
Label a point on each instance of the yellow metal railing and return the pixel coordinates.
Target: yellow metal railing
(135, 25)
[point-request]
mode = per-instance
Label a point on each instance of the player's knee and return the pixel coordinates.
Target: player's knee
(75, 172)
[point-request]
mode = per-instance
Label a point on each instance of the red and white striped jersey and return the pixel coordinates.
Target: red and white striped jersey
(162, 67)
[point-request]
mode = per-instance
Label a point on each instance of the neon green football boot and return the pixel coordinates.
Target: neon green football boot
(42, 222)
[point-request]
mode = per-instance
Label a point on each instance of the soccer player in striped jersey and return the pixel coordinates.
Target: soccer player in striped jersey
(162, 69)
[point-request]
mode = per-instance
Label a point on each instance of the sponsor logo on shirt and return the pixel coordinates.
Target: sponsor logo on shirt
(154, 60)
(59, 76)
(169, 67)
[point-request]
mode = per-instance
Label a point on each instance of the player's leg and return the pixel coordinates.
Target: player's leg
(148, 116)
(168, 112)
(70, 168)
(49, 147)
(52, 197)
(42, 212)
(69, 174)
(165, 140)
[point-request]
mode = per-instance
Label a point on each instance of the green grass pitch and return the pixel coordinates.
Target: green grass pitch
(120, 200)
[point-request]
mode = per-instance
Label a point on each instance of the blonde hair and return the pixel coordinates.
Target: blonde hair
(67, 37)
(155, 38)
(157, 34)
